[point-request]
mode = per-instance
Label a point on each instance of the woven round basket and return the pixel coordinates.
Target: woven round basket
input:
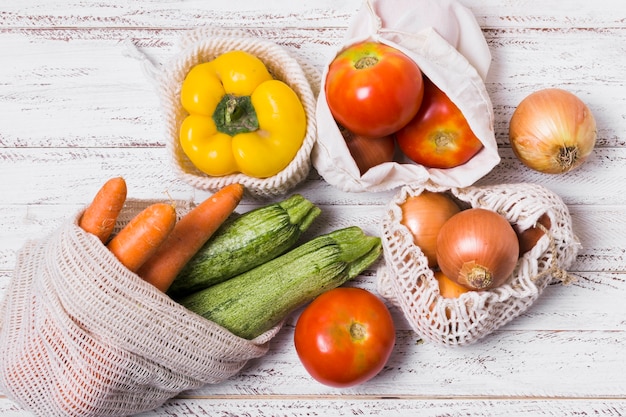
(204, 45)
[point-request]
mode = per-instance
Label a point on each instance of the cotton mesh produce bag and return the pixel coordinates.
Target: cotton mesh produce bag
(444, 39)
(406, 280)
(203, 45)
(81, 335)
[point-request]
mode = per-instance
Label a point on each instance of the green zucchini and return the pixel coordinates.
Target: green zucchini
(245, 241)
(255, 301)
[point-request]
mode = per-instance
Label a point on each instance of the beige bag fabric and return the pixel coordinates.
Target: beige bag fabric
(205, 44)
(407, 281)
(83, 336)
(443, 38)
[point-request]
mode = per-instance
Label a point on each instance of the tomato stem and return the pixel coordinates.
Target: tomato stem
(357, 331)
(444, 139)
(366, 62)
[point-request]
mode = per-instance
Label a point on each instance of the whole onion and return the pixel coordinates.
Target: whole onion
(424, 215)
(477, 248)
(552, 131)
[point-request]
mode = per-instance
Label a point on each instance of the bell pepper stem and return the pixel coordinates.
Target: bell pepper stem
(235, 114)
(233, 111)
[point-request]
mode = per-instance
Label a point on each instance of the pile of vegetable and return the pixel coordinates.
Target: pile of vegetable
(469, 249)
(248, 272)
(379, 98)
(257, 300)
(154, 244)
(244, 242)
(240, 118)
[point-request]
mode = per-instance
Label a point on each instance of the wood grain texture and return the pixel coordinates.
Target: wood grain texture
(76, 109)
(392, 407)
(106, 91)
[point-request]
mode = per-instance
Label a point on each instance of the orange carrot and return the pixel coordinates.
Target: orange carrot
(143, 235)
(100, 216)
(188, 236)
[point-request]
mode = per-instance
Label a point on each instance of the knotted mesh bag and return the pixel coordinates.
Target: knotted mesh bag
(407, 281)
(81, 335)
(205, 44)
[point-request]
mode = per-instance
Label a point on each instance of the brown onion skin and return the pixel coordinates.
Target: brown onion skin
(449, 288)
(552, 131)
(476, 240)
(528, 238)
(424, 215)
(369, 152)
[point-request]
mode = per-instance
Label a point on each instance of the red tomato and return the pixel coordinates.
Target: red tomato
(438, 136)
(344, 337)
(373, 89)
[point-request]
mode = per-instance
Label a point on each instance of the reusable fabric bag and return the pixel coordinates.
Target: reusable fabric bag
(81, 335)
(407, 281)
(446, 42)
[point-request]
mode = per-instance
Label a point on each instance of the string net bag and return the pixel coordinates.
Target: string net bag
(406, 280)
(203, 45)
(81, 335)
(446, 42)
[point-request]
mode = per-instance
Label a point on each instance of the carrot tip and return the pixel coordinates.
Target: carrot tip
(100, 216)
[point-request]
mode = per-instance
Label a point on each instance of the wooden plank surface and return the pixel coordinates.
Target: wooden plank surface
(76, 109)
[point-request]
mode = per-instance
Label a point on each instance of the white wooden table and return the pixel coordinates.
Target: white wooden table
(75, 110)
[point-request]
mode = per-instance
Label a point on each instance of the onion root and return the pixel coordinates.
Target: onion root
(475, 276)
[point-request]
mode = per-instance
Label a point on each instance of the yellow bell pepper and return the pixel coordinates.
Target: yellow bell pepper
(240, 118)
